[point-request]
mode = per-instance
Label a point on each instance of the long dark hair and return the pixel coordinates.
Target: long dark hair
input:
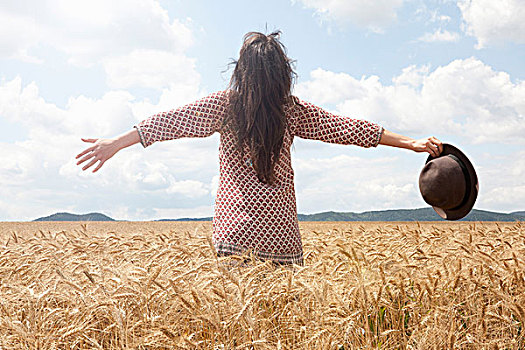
(260, 86)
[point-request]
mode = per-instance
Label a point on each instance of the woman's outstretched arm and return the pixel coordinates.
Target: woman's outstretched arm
(312, 122)
(103, 149)
(429, 144)
(199, 119)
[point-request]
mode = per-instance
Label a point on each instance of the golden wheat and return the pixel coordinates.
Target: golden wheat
(161, 286)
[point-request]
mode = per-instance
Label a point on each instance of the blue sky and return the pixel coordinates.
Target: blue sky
(71, 69)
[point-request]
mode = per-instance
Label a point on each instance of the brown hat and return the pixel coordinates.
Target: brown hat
(449, 183)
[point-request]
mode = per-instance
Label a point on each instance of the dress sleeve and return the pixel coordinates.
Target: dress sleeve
(199, 119)
(311, 122)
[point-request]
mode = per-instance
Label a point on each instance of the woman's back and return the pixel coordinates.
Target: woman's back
(258, 119)
(251, 214)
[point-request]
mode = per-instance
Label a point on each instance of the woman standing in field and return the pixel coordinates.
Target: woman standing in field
(257, 118)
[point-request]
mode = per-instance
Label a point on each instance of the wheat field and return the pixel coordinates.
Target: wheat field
(159, 285)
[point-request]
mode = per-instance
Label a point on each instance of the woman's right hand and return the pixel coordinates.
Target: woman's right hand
(101, 151)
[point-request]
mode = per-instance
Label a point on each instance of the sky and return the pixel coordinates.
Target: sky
(72, 69)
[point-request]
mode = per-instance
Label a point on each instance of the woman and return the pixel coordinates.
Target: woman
(257, 118)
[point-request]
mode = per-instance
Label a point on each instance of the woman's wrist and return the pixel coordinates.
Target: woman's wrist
(389, 138)
(125, 140)
(412, 145)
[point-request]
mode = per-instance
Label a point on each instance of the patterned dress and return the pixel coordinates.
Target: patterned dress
(250, 215)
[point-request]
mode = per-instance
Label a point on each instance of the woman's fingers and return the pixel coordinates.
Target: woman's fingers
(101, 151)
(438, 143)
(90, 164)
(98, 166)
(429, 148)
(88, 151)
(86, 157)
(434, 146)
(85, 151)
(433, 149)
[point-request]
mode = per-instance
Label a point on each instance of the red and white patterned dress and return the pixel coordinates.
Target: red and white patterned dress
(251, 215)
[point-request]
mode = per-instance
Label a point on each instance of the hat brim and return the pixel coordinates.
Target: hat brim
(458, 213)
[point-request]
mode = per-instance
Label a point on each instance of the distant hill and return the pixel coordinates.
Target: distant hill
(422, 214)
(519, 213)
(75, 217)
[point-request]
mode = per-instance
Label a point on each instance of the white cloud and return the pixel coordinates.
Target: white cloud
(176, 213)
(412, 75)
(189, 188)
(353, 183)
(499, 198)
(170, 172)
(374, 15)
(424, 14)
(393, 195)
(494, 22)
(214, 185)
(341, 86)
(373, 181)
(501, 181)
(439, 36)
(150, 69)
(175, 94)
(16, 165)
(135, 41)
(16, 102)
(19, 34)
(121, 212)
(89, 31)
(179, 178)
(28, 205)
(465, 98)
(436, 17)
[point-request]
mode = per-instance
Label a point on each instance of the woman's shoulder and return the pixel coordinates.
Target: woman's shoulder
(222, 95)
(292, 103)
(292, 110)
(296, 108)
(216, 101)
